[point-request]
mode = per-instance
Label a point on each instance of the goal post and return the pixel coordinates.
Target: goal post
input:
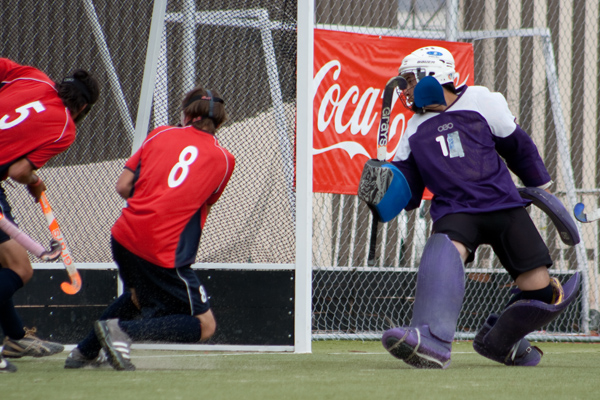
(304, 177)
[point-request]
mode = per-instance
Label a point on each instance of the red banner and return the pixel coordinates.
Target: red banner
(351, 71)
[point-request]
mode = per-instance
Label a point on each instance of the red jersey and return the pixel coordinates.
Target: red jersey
(34, 122)
(179, 171)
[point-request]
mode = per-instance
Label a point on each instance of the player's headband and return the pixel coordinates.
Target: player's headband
(207, 97)
(80, 86)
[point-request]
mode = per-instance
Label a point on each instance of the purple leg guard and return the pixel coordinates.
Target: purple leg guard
(427, 343)
(521, 354)
(502, 337)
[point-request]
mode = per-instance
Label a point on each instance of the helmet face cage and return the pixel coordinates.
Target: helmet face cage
(418, 73)
(404, 100)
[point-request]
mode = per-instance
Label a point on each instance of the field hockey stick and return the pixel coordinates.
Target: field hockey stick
(75, 285)
(583, 217)
(28, 243)
(394, 83)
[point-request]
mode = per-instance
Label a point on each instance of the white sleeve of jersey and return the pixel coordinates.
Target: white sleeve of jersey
(404, 147)
(494, 108)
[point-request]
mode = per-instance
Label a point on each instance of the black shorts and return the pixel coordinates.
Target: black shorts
(511, 233)
(160, 291)
(7, 212)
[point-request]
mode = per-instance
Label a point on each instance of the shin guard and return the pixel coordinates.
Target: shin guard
(502, 336)
(427, 342)
(440, 288)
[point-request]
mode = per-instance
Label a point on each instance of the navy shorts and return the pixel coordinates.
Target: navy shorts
(160, 291)
(511, 233)
(7, 212)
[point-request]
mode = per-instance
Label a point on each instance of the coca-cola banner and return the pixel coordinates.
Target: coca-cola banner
(350, 72)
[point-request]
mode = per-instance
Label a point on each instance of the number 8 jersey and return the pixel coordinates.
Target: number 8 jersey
(179, 172)
(461, 155)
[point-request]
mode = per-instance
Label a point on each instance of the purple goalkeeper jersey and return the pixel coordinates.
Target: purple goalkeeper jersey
(458, 155)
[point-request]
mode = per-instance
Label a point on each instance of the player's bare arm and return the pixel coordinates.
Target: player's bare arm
(23, 172)
(125, 183)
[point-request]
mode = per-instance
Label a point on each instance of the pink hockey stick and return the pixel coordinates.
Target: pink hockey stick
(30, 245)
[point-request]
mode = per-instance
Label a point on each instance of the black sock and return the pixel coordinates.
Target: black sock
(10, 322)
(544, 295)
(172, 328)
(122, 308)
(10, 282)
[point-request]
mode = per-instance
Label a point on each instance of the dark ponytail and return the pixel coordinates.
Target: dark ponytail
(204, 108)
(77, 90)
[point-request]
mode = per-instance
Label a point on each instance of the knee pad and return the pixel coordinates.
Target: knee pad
(384, 188)
(440, 288)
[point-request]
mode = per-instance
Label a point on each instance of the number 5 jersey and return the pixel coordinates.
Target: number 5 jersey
(34, 122)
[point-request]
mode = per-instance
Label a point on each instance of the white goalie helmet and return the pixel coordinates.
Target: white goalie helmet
(429, 61)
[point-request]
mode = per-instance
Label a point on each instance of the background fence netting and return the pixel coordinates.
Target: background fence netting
(244, 49)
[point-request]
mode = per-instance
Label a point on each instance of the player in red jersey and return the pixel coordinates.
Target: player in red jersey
(170, 183)
(37, 121)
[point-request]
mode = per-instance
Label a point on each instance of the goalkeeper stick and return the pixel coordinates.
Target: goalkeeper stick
(394, 83)
(583, 217)
(28, 243)
(75, 285)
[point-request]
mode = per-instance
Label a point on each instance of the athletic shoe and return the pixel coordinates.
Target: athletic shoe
(417, 348)
(5, 366)
(30, 345)
(521, 354)
(116, 344)
(77, 360)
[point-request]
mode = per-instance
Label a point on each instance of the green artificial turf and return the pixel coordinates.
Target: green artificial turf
(334, 370)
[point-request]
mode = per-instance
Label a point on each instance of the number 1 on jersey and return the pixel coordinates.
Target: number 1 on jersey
(183, 165)
(442, 141)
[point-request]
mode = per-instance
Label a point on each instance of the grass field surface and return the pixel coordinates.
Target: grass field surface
(342, 370)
